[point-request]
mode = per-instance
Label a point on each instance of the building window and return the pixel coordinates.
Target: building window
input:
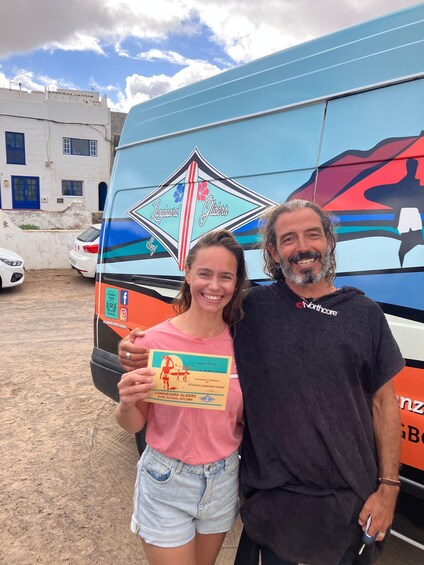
(93, 148)
(15, 148)
(73, 146)
(66, 146)
(72, 187)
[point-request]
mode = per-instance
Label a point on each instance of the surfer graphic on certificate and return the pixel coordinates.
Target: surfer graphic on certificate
(189, 379)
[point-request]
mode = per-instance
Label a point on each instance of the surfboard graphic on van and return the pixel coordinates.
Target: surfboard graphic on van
(196, 198)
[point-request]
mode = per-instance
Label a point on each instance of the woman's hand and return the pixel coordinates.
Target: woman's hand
(135, 386)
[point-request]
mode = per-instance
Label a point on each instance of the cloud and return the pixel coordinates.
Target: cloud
(141, 88)
(4, 81)
(169, 56)
(104, 88)
(78, 24)
(245, 30)
(31, 25)
(28, 80)
(25, 80)
(138, 88)
(78, 42)
(242, 31)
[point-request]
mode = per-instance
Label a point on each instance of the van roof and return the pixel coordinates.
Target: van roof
(380, 51)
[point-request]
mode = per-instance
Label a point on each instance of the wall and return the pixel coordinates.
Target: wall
(75, 216)
(43, 248)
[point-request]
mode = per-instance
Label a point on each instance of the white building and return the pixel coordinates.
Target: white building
(55, 147)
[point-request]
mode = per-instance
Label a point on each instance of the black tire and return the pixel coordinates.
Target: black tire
(140, 440)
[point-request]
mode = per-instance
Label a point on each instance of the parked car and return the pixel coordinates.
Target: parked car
(83, 255)
(11, 268)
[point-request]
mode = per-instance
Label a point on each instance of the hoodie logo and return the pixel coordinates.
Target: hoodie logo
(317, 307)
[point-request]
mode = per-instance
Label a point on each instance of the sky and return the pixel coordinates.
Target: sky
(134, 50)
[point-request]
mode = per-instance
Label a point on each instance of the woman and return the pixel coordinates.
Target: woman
(186, 494)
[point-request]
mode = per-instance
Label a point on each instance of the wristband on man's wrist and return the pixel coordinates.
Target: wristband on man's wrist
(390, 482)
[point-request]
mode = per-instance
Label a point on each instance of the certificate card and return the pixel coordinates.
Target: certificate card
(189, 379)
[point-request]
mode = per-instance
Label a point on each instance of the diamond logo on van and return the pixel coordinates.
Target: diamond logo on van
(195, 199)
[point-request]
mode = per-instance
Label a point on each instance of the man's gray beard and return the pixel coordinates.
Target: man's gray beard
(306, 277)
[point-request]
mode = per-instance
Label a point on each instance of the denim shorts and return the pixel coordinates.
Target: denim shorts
(173, 500)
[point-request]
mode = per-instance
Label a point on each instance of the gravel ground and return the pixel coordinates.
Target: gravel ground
(67, 469)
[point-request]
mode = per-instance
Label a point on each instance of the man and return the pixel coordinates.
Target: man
(322, 435)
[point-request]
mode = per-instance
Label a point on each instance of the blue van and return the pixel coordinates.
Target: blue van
(338, 120)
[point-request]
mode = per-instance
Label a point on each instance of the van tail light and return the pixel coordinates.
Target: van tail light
(91, 248)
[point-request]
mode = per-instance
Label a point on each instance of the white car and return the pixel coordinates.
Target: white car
(83, 255)
(11, 268)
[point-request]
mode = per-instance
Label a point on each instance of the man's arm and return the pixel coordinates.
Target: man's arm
(132, 356)
(387, 430)
(381, 504)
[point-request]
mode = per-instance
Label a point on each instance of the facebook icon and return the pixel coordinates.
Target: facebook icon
(124, 297)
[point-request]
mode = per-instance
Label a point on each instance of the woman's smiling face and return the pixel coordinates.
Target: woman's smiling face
(212, 279)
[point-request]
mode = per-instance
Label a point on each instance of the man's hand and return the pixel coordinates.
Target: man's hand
(381, 507)
(133, 356)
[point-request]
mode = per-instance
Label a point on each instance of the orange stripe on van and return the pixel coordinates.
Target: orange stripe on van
(143, 311)
(409, 386)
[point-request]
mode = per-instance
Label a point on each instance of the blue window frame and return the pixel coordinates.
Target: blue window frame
(74, 146)
(72, 187)
(15, 148)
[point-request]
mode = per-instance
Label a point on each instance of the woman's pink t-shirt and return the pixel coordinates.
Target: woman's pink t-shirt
(194, 435)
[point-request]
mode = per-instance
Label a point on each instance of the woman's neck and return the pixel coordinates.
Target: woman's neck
(203, 326)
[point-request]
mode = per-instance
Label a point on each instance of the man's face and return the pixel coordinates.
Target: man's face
(302, 249)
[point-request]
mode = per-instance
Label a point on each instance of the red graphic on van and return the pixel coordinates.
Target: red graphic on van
(379, 192)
